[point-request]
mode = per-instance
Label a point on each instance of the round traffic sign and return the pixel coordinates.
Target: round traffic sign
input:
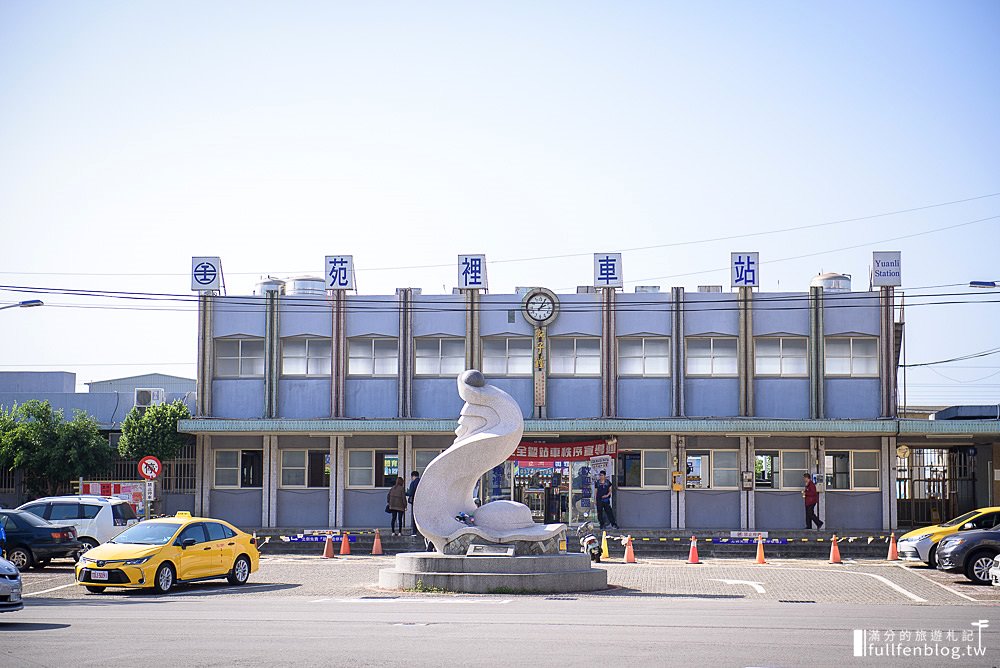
(150, 467)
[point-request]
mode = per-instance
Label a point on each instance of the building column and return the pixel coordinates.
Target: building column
(888, 482)
(406, 464)
(817, 449)
(338, 467)
(817, 355)
(609, 355)
(744, 497)
(751, 494)
(203, 475)
(540, 366)
(473, 344)
(338, 364)
(887, 351)
(404, 387)
(272, 354)
(678, 452)
(269, 493)
(206, 354)
(678, 353)
(744, 352)
(331, 515)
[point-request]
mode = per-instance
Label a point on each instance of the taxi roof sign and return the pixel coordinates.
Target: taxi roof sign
(183, 513)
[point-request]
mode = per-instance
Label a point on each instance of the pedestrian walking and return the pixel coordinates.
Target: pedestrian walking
(410, 493)
(605, 513)
(811, 497)
(396, 504)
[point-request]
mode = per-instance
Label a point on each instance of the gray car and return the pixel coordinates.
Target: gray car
(10, 587)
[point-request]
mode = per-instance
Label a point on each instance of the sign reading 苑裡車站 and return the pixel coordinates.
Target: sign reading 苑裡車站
(887, 269)
(743, 270)
(608, 270)
(472, 272)
(339, 272)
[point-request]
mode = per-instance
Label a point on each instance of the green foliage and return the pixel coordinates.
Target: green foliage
(153, 431)
(49, 450)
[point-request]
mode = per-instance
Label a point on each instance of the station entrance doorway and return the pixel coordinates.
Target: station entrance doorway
(934, 485)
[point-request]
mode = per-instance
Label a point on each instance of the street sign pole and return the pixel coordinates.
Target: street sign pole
(149, 468)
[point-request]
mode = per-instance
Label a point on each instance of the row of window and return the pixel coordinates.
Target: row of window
(784, 357)
(707, 469)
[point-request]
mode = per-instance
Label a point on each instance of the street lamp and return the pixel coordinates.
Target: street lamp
(25, 304)
(982, 284)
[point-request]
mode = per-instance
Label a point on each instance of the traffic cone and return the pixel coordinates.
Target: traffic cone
(693, 554)
(835, 552)
(328, 547)
(604, 545)
(345, 543)
(629, 552)
(893, 554)
(760, 549)
(377, 547)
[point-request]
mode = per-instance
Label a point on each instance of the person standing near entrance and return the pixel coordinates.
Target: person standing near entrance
(410, 492)
(605, 513)
(812, 498)
(396, 500)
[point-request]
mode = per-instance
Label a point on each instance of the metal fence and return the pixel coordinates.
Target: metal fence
(934, 485)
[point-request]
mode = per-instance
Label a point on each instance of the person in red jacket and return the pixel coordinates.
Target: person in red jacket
(812, 498)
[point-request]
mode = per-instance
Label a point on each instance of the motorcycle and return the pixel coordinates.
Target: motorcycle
(589, 542)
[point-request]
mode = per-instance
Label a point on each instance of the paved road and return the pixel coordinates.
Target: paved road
(308, 611)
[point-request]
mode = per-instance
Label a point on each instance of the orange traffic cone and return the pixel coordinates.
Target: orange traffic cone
(760, 549)
(629, 552)
(345, 543)
(693, 554)
(377, 547)
(328, 547)
(835, 552)
(893, 554)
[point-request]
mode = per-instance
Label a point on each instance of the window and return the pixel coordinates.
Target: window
(65, 511)
(88, 511)
(440, 357)
(372, 468)
(629, 469)
(193, 531)
(367, 356)
(852, 356)
(305, 468)
(575, 356)
(646, 356)
(765, 468)
(215, 531)
(507, 356)
(305, 357)
(698, 476)
(793, 464)
(239, 468)
(239, 358)
(853, 469)
(421, 458)
(784, 357)
(655, 468)
(711, 356)
(725, 468)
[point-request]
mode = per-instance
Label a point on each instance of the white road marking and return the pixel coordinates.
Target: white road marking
(910, 595)
(414, 599)
(757, 586)
(943, 586)
(46, 591)
(194, 592)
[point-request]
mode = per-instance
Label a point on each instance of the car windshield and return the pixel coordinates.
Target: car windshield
(961, 519)
(147, 533)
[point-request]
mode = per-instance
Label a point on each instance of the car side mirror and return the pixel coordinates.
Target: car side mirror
(188, 542)
(968, 525)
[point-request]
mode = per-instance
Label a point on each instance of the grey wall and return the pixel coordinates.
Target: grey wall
(853, 398)
(304, 508)
(578, 314)
(371, 397)
(712, 509)
(372, 315)
(642, 313)
(644, 397)
(305, 316)
(501, 314)
(779, 509)
(37, 381)
(853, 510)
(438, 314)
(573, 397)
(781, 313)
(238, 397)
(522, 389)
(366, 508)
(175, 502)
(241, 507)
(712, 397)
(642, 508)
(436, 398)
(781, 398)
(851, 313)
(304, 398)
(236, 316)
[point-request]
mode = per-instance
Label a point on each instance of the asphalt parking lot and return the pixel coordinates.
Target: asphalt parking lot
(798, 580)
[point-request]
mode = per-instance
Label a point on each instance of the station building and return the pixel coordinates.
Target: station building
(705, 406)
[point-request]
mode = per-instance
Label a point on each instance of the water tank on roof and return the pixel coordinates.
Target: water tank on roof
(831, 282)
(305, 286)
(269, 284)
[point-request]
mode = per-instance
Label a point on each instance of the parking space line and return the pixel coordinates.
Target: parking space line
(910, 595)
(943, 586)
(46, 591)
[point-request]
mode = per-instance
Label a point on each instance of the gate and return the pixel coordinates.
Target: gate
(934, 485)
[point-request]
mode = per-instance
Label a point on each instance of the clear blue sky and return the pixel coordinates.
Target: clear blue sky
(135, 135)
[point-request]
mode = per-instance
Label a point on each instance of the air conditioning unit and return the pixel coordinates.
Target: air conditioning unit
(149, 396)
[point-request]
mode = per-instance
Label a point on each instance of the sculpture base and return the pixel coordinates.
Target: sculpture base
(522, 548)
(543, 574)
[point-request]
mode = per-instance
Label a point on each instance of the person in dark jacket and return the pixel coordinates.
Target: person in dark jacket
(410, 492)
(396, 500)
(812, 498)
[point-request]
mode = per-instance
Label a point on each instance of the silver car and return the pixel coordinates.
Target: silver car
(10, 587)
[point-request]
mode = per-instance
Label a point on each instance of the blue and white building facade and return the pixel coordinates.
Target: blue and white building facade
(710, 404)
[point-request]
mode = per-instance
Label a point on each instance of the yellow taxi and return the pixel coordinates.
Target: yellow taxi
(922, 544)
(159, 553)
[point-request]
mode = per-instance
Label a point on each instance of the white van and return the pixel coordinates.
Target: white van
(97, 519)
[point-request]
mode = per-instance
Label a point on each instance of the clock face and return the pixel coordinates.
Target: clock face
(540, 307)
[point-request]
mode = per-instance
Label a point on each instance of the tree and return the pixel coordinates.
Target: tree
(153, 431)
(49, 450)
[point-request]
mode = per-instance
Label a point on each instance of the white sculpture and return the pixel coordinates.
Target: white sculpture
(489, 431)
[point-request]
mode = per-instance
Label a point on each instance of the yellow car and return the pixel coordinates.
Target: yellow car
(922, 544)
(159, 553)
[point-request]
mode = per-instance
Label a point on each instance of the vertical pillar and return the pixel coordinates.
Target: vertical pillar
(404, 388)
(887, 351)
(204, 475)
(678, 511)
(406, 465)
(540, 365)
(609, 355)
(473, 344)
(269, 493)
(331, 516)
(206, 354)
(751, 494)
(817, 355)
(744, 499)
(338, 364)
(678, 349)
(818, 448)
(744, 351)
(888, 483)
(271, 354)
(339, 468)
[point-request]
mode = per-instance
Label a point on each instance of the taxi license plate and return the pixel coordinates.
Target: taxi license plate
(98, 575)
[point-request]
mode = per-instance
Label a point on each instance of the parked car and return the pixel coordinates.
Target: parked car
(32, 541)
(971, 553)
(10, 587)
(922, 544)
(96, 518)
(159, 553)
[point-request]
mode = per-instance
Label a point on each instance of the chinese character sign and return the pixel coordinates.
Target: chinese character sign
(339, 272)
(744, 270)
(472, 272)
(206, 273)
(608, 270)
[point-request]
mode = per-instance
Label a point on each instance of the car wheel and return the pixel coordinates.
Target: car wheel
(977, 567)
(241, 571)
(40, 564)
(88, 544)
(20, 557)
(95, 590)
(932, 556)
(164, 580)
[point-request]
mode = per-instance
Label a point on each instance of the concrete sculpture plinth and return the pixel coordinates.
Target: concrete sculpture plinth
(489, 431)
